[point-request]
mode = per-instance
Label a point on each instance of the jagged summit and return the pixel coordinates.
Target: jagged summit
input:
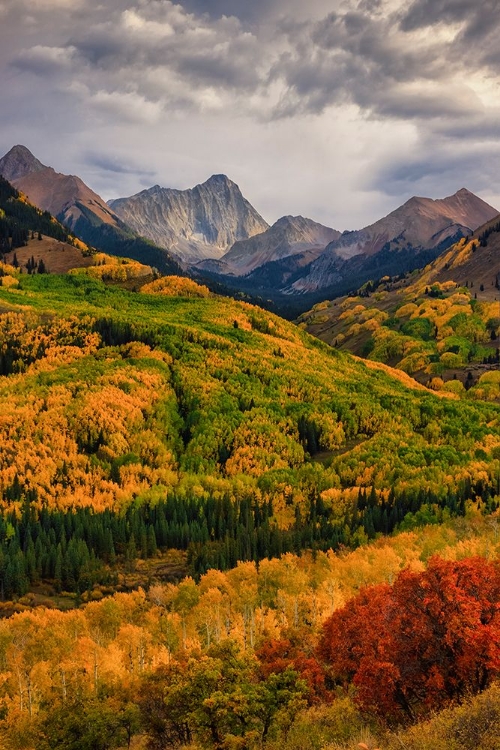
(19, 162)
(218, 178)
(289, 220)
(198, 223)
(212, 182)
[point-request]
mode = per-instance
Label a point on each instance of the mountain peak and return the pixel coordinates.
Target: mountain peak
(198, 223)
(288, 219)
(219, 178)
(455, 206)
(18, 162)
(218, 181)
(20, 151)
(298, 222)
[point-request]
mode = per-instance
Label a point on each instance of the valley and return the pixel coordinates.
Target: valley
(249, 375)
(198, 496)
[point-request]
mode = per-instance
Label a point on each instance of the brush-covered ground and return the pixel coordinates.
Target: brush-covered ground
(395, 644)
(149, 435)
(207, 425)
(440, 325)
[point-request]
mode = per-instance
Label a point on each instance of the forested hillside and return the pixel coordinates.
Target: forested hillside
(228, 462)
(440, 324)
(208, 426)
(252, 657)
(19, 220)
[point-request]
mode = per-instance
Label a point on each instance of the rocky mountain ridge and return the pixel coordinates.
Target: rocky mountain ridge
(290, 235)
(64, 196)
(213, 231)
(194, 224)
(442, 321)
(420, 224)
(79, 208)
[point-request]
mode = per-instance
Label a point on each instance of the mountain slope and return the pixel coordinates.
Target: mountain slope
(73, 203)
(144, 393)
(32, 241)
(59, 194)
(198, 223)
(19, 220)
(290, 235)
(472, 264)
(442, 321)
(409, 238)
(421, 224)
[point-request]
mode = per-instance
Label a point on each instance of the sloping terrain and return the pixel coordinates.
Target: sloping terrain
(33, 241)
(210, 490)
(442, 322)
(409, 238)
(421, 224)
(290, 235)
(64, 196)
(84, 212)
(224, 391)
(56, 256)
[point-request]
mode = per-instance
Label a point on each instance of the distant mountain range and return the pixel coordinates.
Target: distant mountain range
(289, 265)
(289, 236)
(194, 224)
(212, 232)
(421, 224)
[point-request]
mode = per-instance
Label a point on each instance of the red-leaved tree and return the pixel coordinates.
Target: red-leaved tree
(430, 638)
(276, 656)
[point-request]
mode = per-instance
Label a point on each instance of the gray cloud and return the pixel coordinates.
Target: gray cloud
(258, 12)
(438, 166)
(478, 32)
(369, 54)
(425, 13)
(160, 51)
(116, 164)
(316, 95)
(45, 61)
(380, 63)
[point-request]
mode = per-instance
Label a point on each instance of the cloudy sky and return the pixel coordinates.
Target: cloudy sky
(336, 110)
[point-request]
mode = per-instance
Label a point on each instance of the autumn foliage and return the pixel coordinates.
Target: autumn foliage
(432, 637)
(176, 286)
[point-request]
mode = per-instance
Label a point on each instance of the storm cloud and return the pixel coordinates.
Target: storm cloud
(330, 111)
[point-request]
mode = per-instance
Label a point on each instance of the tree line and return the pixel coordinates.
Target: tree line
(77, 550)
(18, 220)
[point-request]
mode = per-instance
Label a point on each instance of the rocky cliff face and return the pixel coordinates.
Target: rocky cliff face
(421, 224)
(290, 235)
(202, 222)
